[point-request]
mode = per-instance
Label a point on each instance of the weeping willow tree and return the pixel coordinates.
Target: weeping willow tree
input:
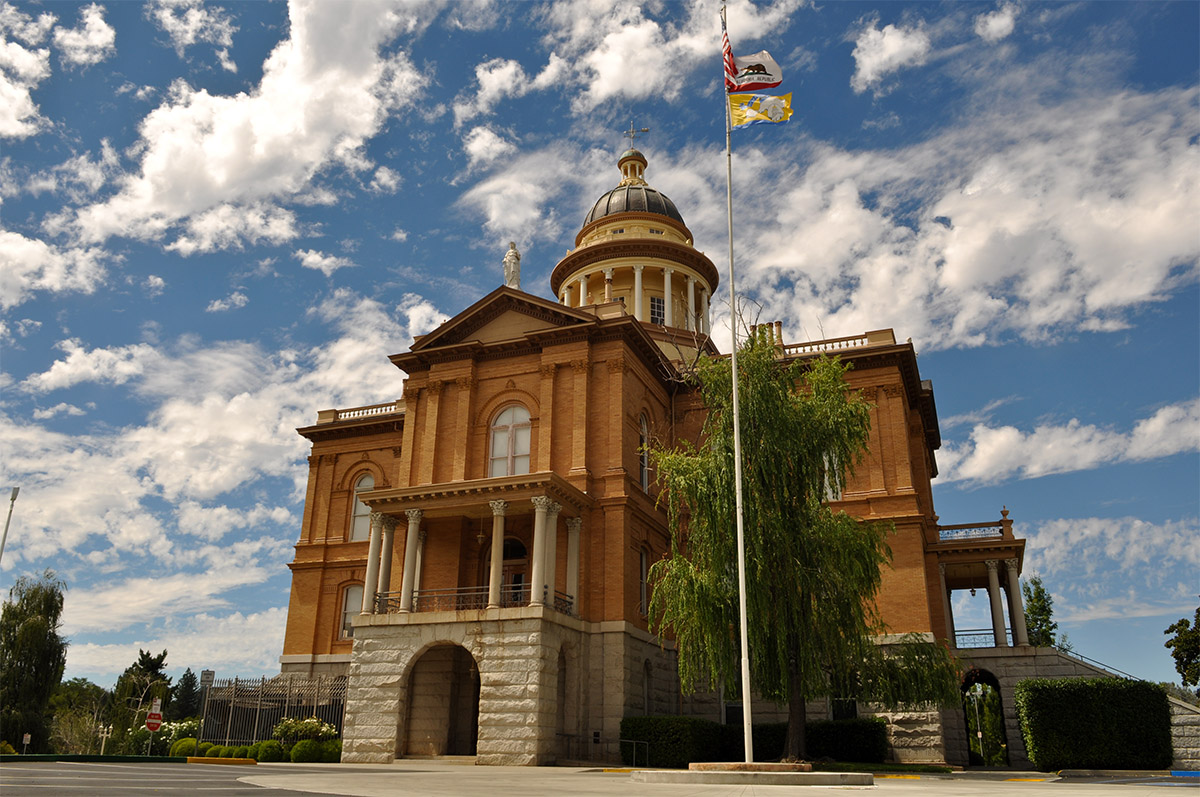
(811, 574)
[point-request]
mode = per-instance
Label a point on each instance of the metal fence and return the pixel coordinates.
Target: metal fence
(245, 710)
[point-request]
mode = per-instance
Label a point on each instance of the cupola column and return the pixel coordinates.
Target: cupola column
(608, 272)
(691, 319)
(668, 314)
(566, 289)
(704, 322)
(582, 291)
(637, 293)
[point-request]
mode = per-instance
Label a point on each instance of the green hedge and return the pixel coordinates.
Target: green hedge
(675, 742)
(331, 751)
(270, 750)
(1094, 723)
(214, 751)
(306, 751)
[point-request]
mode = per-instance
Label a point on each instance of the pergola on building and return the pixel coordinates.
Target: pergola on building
(473, 556)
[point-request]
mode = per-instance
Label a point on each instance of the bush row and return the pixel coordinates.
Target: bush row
(678, 741)
(1094, 723)
(306, 751)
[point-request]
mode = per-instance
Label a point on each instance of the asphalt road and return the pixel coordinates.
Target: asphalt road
(437, 779)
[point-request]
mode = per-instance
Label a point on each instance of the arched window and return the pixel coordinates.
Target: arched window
(510, 442)
(351, 605)
(360, 526)
(643, 453)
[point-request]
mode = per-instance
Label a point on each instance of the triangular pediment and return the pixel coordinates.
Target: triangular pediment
(504, 314)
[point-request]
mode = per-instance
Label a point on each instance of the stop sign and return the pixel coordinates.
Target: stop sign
(153, 721)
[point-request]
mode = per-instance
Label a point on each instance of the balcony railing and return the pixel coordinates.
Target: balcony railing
(456, 599)
(970, 531)
(978, 638)
(331, 416)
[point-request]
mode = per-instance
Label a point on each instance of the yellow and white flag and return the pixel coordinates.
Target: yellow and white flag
(755, 109)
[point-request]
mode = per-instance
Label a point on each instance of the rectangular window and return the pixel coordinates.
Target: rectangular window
(658, 310)
(351, 605)
(655, 232)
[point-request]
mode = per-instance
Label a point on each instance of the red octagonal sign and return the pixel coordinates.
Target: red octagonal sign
(153, 721)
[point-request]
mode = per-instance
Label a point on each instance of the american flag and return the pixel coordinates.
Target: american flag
(727, 54)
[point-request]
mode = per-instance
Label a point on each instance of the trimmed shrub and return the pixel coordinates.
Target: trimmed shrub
(306, 751)
(204, 748)
(270, 751)
(7, 749)
(228, 752)
(253, 751)
(184, 747)
(241, 751)
(331, 751)
(214, 751)
(1094, 723)
(675, 742)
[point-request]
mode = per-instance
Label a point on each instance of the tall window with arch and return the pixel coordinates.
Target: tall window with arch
(510, 442)
(360, 525)
(351, 605)
(643, 452)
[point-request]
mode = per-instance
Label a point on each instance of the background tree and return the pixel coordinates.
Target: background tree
(133, 696)
(811, 574)
(32, 658)
(1185, 648)
(1039, 613)
(185, 697)
(77, 706)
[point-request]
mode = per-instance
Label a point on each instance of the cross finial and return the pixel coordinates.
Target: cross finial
(632, 133)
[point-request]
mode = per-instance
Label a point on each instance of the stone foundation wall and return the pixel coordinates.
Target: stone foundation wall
(915, 736)
(1185, 735)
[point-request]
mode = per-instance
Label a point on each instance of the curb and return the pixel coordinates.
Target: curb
(234, 761)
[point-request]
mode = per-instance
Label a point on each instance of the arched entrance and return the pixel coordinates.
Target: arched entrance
(443, 703)
(983, 710)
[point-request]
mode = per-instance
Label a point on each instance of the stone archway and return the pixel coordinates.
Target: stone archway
(443, 703)
(983, 712)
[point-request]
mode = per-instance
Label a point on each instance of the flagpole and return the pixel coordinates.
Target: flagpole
(747, 722)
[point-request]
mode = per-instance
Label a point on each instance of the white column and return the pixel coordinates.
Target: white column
(498, 508)
(637, 293)
(704, 323)
(537, 578)
(608, 272)
(574, 524)
(998, 635)
(371, 582)
(1020, 632)
(385, 556)
(949, 611)
(420, 561)
(668, 312)
(551, 549)
(566, 289)
(691, 319)
(582, 291)
(410, 559)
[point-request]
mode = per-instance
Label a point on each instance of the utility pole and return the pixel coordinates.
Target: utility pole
(11, 502)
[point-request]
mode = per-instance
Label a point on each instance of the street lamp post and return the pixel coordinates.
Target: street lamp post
(11, 502)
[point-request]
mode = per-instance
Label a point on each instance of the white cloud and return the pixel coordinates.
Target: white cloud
(233, 226)
(22, 68)
(484, 145)
(90, 43)
(233, 301)
(878, 53)
(114, 366)
(997, 25)
(28, 265)
(187, 22)
(976, 416)
(154, 285)
(228, 643)
(399, 235)
(385, 181)
(498, 78)
(214, 522)
(326, 264)
(995, 454)
(324, 92)
(61, 408)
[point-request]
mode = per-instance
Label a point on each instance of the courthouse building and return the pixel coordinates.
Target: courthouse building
(473, 555)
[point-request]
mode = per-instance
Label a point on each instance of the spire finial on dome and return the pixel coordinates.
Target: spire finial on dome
(632, 163)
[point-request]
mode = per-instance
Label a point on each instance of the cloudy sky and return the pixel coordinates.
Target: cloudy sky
(219, 218)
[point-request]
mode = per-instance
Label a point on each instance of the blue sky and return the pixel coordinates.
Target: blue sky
(219, 218)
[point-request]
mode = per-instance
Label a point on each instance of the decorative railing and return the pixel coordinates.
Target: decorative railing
(970, 531)
(374, 409)
(833, 344)
(455, 599)
(978, 638)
